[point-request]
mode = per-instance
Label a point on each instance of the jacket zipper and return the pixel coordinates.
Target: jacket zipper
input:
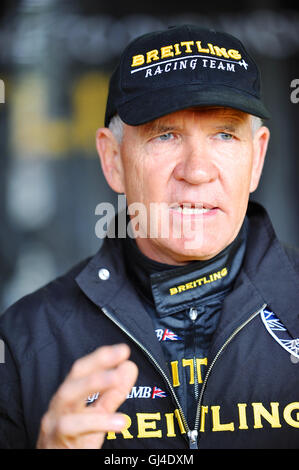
(225, 344)
(193, 314)
(192, 434)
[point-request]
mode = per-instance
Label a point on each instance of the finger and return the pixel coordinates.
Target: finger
(113, 397)
(105, 357)
(95, 368)
(72, 425)
(72, 394)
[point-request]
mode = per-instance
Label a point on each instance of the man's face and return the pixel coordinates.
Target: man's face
(198, 158)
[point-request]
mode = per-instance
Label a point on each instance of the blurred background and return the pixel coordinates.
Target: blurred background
(55, 60)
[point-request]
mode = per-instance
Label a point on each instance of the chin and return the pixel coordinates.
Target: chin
(202, 241)
(186, 250)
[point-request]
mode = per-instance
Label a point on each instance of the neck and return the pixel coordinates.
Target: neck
(194, 279)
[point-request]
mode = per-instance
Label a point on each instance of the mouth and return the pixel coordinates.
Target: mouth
(191, 208)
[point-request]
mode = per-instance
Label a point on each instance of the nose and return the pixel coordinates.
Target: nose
(196, 165)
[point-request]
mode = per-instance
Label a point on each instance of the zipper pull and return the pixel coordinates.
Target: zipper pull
(193, 313)
(192, 435)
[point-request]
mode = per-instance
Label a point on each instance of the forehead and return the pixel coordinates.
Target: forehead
(200, 114)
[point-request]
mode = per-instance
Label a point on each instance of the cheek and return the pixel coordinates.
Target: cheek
(137, 181)
(146, 182)
(235, 179)
(236, 172)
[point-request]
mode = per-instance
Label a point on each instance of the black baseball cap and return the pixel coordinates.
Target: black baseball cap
(182, 67)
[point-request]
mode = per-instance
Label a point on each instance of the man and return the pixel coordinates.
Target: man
(207, 315)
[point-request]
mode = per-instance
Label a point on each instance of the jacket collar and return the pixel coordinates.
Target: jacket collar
(270, 270)
(115, 294)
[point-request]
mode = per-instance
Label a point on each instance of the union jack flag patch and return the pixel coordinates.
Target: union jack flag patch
(278, 331)
(166, 335)
(158, 393)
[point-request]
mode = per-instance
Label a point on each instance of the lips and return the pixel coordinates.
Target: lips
(192, 208)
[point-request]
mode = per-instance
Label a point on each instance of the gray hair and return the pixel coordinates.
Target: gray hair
(116, 126)
(256, 123)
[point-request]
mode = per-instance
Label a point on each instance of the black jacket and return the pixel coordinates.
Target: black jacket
(250, 397)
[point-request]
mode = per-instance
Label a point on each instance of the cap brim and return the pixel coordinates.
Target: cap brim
(158, 103)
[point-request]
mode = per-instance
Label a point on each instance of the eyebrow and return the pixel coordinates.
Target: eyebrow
(227, 127)
(158, 128)
(230, 123)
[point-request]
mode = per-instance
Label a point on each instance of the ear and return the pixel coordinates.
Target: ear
(260, 144)
(110, 156)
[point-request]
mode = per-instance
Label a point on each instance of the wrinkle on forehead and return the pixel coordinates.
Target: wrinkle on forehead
(170, 121)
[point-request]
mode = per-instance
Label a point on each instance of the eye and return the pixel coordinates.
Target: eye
(165, 137)
(225, 136)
